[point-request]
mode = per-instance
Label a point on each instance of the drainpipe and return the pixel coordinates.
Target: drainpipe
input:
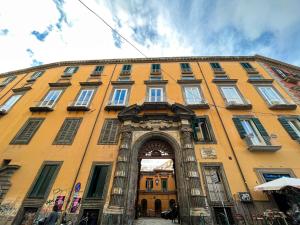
(89, 140)
(227, 136)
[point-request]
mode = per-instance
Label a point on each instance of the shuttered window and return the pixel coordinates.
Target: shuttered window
(45, 178)
(110, 132)
(292, 126)
(98, 181)
(27, 131)
(253, 129)
(202, 130)
(67, 131)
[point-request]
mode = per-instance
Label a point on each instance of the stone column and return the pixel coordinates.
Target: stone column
(197, 201)
(115, 212)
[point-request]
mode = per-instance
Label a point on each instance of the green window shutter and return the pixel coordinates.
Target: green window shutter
(27, 131)
(288, 128)
(110, 132)
(67, 131)
(262, 130)
(193, 124)
(77, 67)
(239, 127)
(43, 182)
(98, 181)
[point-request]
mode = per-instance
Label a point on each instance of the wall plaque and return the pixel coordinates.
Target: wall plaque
(208, 153)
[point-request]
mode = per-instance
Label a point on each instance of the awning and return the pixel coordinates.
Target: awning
(278, 184)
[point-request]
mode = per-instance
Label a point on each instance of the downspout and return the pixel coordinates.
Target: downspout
(227, 136)
(89, 140)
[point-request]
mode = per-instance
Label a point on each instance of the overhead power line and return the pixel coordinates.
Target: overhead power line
(144, 55)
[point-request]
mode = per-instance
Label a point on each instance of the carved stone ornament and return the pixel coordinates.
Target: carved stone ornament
(154, 125)
(208, 153)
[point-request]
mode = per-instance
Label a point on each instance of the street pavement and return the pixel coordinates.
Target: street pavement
(153, 221)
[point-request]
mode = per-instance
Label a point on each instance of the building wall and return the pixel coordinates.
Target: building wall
(239, 164)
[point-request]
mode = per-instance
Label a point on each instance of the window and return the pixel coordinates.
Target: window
(192, 95)
(292, 126)
(185, 68)
(36, 75)
(202, 130)
(149, 184)
(253, 130)
(256, 77)
(156, 94)
(7, 80)
(71, 70)
(126, 69)
(110, 132)
(155, 77)
(215, 184)
(246, 65)
(10, 103)
(98, 70)
(155, 68)
(124, 78)
(280, 72)
(27, 131)
(98, 181)
(45, 178)
(215, 66)
(271, 95)
(221, 77)
(119, 97)
(231, 95)
(187, 77)
(273, 176)
(51, 98)
(67, 131)
(164, 183)
(84, 97)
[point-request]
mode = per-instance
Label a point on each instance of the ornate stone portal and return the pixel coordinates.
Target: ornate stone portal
(155, 136)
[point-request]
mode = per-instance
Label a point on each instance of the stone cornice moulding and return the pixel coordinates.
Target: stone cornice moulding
(149, 60)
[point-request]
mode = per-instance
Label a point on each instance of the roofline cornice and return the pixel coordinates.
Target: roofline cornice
(148, 60)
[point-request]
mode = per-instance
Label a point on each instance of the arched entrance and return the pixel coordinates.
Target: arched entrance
(157, 206)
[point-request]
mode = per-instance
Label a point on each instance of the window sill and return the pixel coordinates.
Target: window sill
(220, 71)
(60, 84)
(96, 74)
(155, 82)
(238, 106)
(90, 83)
(21, 89)
(264, 148)
(67, 75)
(291, 79)
(252, 70)
(3, 112)
(125, 82)
(187, 72)
(41, 109)
(155, 73)
(194, 81)
(231, 81)
(156, 105)
(114, 107)
(260, 81)
(198, 106)
(283, 106)
(78, 108)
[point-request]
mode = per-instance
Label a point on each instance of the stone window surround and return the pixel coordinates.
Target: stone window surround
(16, 93)
(236, 88)
(163, 86)
(225, 182)
(63, 89)
(95, 88)
(259, 172)
(128, 87)
(191, 85)
(256, 86)
(210, 129)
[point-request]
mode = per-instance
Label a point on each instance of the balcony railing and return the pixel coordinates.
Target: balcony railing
(268, 144)
(280, 105)
(246, 104)
(78, 106)
(41, 107)
(202, 104)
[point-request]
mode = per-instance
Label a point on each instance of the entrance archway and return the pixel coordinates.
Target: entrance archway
(157, 206)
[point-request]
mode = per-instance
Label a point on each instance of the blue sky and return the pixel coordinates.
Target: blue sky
(38, 32)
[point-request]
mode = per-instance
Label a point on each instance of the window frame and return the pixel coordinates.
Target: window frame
(284, 101)
(11, 106)
(107, 180)
(15, 140)
(56, 140)
(56, 100)
(148, 94)
(257, 134)
(126, 71)
(7, 80)
(243, 100)
(279, 72)
(90, 99)
(200, 101)
(34, 77)
(209, 128)
(53, 179)
(67, 73)
(260, 171)
(188, 69)
(125, 97)
(155, 70)
(95, 71)
(117, 137)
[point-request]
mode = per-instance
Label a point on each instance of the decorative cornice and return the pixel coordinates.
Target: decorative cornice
(148, 60)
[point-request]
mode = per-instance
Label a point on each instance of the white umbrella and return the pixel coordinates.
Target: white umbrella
(278, 184)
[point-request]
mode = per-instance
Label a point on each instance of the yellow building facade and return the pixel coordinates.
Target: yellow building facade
(73, 135)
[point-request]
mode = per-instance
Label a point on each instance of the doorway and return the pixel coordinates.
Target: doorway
(156, 187)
